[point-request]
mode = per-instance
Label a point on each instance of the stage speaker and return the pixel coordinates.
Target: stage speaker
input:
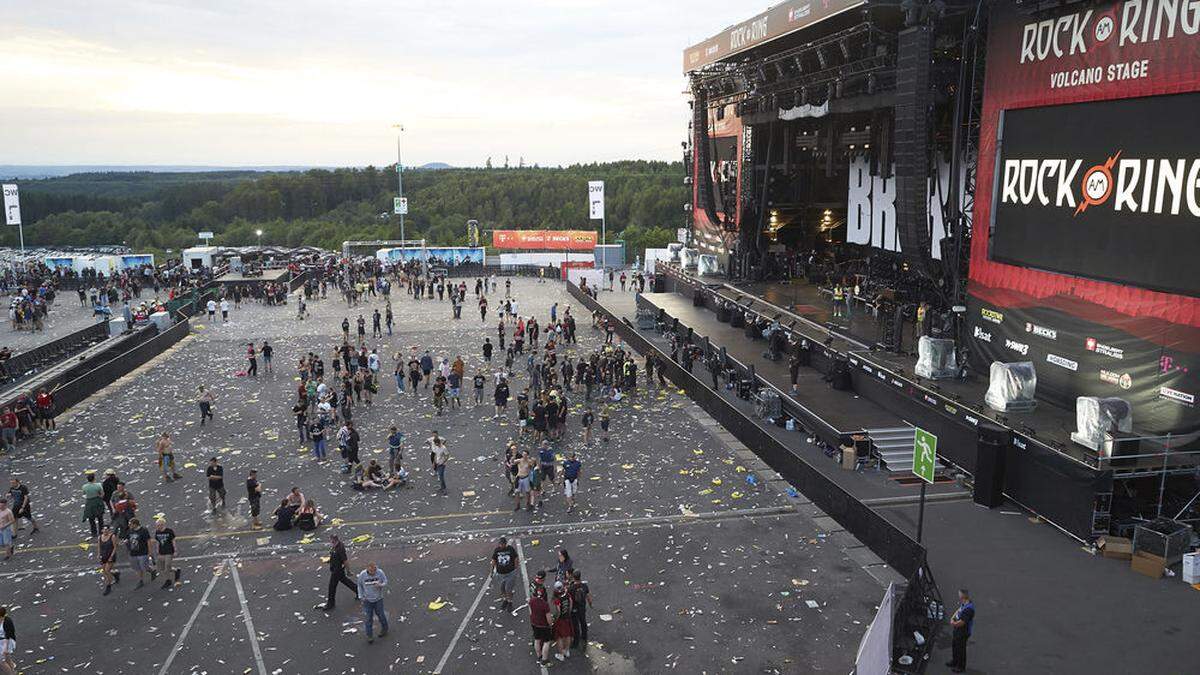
(911, 143)
(736, 318)
(698, 299)
(660, 283)
(992, 449)
(839, 376)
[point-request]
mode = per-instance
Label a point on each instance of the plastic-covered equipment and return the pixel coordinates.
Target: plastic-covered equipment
(1097, 419)
(707, 264)
(935, 359)
(1011, 387)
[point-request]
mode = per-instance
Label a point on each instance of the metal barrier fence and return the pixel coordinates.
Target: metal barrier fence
(886, 540)
(29, 362)
(100, 375)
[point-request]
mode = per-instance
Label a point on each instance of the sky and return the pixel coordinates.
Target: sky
(297, 82)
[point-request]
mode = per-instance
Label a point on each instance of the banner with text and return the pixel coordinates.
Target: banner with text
(547, 240)
(596, 200)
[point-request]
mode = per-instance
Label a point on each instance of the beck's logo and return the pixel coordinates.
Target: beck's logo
(1041, 331)
(982, 334)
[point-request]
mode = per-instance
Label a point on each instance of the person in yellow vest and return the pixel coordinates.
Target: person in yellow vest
(839, 296)
(922, 310)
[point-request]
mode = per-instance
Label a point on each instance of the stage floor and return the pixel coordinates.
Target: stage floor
(267, 276)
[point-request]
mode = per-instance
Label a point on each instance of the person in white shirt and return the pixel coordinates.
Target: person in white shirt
(212, 309)
(224, 310)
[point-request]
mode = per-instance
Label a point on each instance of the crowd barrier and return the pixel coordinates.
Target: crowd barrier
(29, 362)
(100, 373)
(887, 541)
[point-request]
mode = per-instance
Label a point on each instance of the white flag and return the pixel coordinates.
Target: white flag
(12, 205)
(596, 199)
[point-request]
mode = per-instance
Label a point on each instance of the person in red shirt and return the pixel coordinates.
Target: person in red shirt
(45, 408)
(541, 618)
(8, 428)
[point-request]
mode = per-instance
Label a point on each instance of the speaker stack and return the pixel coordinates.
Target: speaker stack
(993, 445)
(911, 144)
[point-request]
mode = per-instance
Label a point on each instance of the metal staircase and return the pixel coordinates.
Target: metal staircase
(894, 446)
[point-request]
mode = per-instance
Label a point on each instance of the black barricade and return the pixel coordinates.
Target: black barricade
(28, 362)
(887, 541)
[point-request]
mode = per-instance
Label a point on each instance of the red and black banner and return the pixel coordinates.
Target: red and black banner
(1087, 206)
(724, 141)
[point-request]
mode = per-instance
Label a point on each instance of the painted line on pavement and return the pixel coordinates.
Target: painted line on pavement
(463, 626)
(187, 627)
(525, 578)
(237, 581)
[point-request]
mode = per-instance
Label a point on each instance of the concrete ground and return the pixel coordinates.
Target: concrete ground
(66, 316)
(692, 566)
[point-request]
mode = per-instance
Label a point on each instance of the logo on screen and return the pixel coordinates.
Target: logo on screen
(1062, 362)
(1093, 345)
(1122, 380)
(1041, 331)
(1139, 186)
(1177, 396)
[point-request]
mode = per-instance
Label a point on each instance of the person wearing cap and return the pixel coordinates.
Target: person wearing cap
(561, 609)
(109, 486)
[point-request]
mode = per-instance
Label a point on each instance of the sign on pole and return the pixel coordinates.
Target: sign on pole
(596, 200)
(400, 205)
(924, 455)
(206, 235)
(12, 205)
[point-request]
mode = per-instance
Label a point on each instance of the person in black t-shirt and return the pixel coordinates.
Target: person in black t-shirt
(504, 571)
(164, 553)
(254, 496)
(477, 382)
(581, 599)
(216, 483)
(139, 551)
(337, 573)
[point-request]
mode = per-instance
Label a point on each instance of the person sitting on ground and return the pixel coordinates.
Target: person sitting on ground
(398, 478)
(308, 519)
(283, 516)
(361, 480)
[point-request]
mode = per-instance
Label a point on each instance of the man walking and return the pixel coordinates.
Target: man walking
(163, 547)
(371, 583)
(254, 496)
(395, 454)
(19, 500)
(337, 574)
(962, 621)
(504, 572)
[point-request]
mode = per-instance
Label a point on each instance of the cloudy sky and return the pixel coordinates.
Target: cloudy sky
(260, 82)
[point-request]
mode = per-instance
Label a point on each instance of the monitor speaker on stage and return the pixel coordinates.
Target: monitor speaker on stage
(993, 445)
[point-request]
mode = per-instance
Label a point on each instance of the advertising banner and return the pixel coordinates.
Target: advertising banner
(596, 200)
(1081, 263)
(1102, 198)
(549, 240)
(12, 205)
(871, 208)
(784, 18)
(437, 256)
(724, 167)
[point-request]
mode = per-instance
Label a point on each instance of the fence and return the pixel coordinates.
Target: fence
(101, 373)
(30, 362)
(887, 541)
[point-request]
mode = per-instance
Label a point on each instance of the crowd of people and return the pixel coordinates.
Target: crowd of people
(536, 374)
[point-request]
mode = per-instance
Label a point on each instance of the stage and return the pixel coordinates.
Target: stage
(1047, 473)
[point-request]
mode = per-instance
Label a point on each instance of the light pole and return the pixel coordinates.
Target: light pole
(259, 233)
(399, 174)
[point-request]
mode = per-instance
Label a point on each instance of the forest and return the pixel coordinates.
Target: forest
(159, 212)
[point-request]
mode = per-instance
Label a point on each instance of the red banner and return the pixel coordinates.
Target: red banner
(545, 240)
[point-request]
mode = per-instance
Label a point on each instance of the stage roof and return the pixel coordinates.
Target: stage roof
(782, 19)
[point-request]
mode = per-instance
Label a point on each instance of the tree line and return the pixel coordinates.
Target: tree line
(152, 212)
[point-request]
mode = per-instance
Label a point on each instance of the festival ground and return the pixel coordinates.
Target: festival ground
(692, 567)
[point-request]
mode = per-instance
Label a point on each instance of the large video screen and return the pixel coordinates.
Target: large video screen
(1107, 190)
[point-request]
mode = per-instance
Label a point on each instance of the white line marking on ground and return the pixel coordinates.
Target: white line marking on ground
(187, 627)
(463, 626)
(237, 581)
